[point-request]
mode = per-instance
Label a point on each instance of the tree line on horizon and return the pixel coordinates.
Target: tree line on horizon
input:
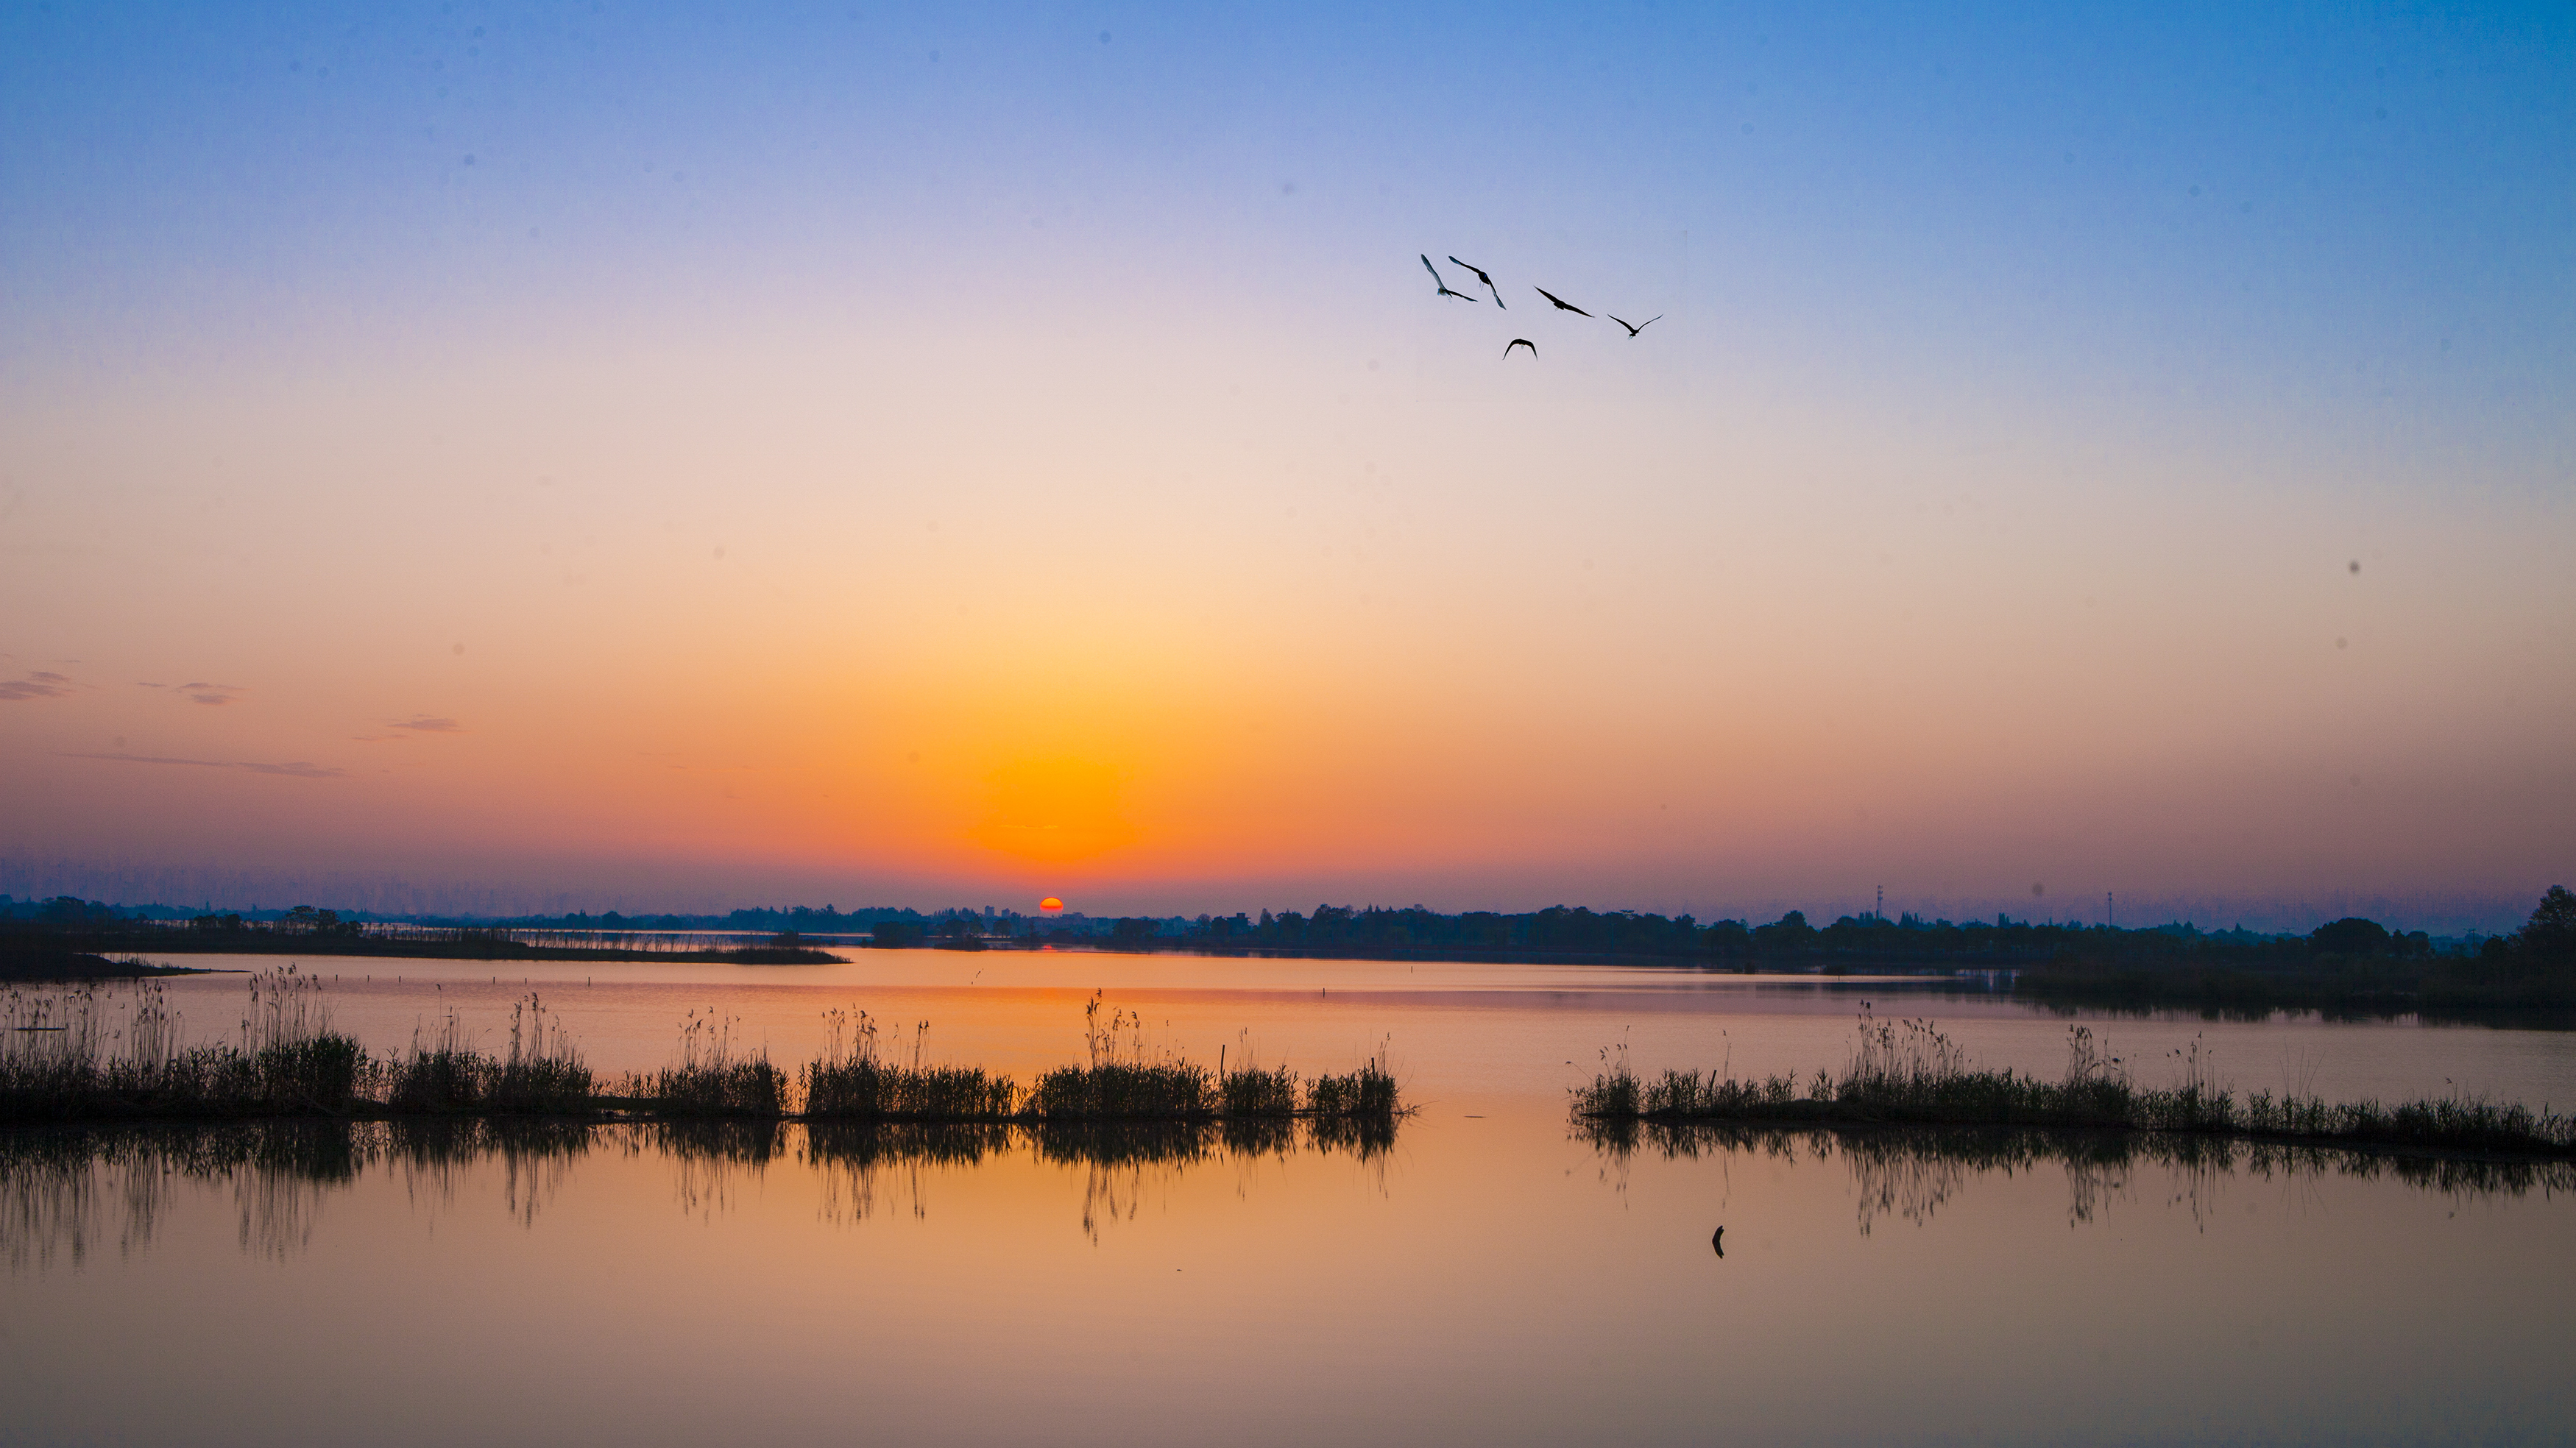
(1867, 938)
(2547, 937)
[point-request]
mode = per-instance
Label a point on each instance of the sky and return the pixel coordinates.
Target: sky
(586, 456)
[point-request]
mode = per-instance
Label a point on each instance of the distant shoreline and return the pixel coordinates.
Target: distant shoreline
(2372, 973)
(463, 945)
(73, 966)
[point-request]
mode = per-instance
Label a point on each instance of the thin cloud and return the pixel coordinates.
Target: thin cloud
(295, 769)
(427, 725)
(210, 693)
(38, 685)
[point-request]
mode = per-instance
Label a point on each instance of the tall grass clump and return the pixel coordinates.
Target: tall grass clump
(50, 1066)
(1367, 1094)
(855, 1081)
(711, 1078)
(1121, 1080)
(88, 1053)
(438, 1077)
(1615, 1093)
(1247, 1091)
(297, 1062)
(541, 1074)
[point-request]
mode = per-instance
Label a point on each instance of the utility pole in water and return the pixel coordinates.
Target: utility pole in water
(1881, 912)
(2110, 916)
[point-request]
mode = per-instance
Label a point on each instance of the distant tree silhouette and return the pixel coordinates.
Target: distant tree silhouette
(1788, 933)
(2550, 934)
(2351, 935)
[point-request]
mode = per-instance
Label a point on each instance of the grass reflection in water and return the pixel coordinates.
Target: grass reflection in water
(67, 1193)
(1911, 1172)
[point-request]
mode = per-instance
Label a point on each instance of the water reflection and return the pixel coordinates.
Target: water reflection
(1120, 1163)
(1911, 1174)
(438, 1160)
(68, 1193)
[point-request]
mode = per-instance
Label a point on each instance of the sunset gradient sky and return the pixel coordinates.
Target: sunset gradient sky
(596, 455)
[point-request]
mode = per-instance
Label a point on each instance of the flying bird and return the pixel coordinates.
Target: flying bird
(1520, 342)
(1641, 326)
(1444, 283)
(1488, 281)
(1562, 304)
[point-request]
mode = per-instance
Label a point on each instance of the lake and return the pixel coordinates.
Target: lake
(1492, 1275)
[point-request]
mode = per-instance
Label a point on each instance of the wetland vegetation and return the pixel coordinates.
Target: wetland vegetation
(1909, 1074)
(105, 1053)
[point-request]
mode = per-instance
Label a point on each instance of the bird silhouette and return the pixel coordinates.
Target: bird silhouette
(1520, 342)
(1641, 326)
(1717, 1239)
(1444, 283)
(1562, 304)
(1498, 293)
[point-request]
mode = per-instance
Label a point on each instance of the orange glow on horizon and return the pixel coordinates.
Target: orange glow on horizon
(1054, 811)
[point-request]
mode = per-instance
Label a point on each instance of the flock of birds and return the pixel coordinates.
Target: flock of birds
(1560, 303)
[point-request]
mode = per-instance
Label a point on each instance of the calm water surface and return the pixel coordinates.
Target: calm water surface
(1490, 1276)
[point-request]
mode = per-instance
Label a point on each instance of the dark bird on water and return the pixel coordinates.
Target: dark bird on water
(1520, 342)
(1488, 281)
(1717, 1239)
(1562, 304)
(1641, 326)
(1444, 282)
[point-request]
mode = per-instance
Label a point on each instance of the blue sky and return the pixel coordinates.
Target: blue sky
(2289, 188)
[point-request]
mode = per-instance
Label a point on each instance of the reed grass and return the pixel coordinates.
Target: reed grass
(1367, 1094)
(880, 1091)
(1122, 1077)
(1908, 1073)
(1248, 1092)
(542, 1073)
(113, 1052)
(1125, 1091)
(712, 1077)
(856, 1081)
